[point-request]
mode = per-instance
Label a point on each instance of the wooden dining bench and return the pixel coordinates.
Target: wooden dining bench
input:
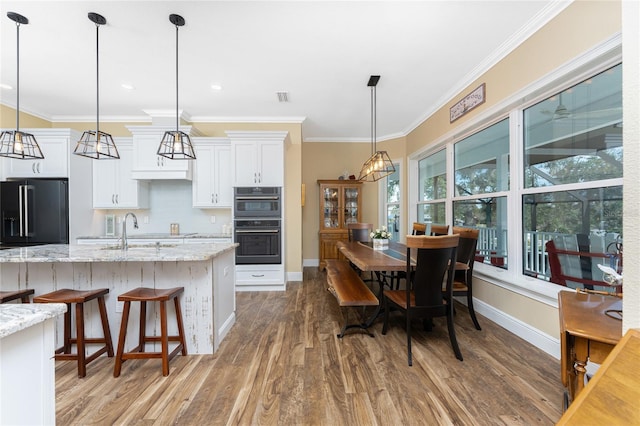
(349, 290)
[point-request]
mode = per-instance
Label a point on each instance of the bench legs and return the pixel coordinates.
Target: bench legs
(363, 326)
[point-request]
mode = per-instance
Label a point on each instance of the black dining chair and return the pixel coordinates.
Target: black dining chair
(359, 231)
(463, 278)
(423, 298)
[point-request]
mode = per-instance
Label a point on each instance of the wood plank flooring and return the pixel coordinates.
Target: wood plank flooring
(282, 364)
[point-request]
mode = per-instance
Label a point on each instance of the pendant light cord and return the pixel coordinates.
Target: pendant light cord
(18, 78)
(373, 120)
(97, 82)
(177, 116)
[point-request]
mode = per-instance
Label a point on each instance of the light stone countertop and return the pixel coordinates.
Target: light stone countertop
(15, 317)
(63, 253)
(156, 236)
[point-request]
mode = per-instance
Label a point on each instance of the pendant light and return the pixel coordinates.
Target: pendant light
(379, 165)
(94, 143)
(176, 145)
(19, 144)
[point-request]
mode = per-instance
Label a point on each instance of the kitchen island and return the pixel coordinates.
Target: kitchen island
(206, 271)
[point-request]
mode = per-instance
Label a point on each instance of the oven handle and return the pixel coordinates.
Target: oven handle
(258, 231)
(265, 197)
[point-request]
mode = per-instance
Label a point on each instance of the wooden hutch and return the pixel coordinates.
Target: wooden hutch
(340, 204)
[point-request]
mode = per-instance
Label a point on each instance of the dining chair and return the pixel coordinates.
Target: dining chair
(421, 229)
(439, 229)
(435, 259)
(463, 278)
(359, 231)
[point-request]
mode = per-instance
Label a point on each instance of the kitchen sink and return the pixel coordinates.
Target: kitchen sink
(139, 246)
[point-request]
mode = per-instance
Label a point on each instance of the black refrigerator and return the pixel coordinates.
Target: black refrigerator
(34, 211)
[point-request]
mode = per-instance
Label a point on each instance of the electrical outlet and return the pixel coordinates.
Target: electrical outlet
(213, 219)
(119, 306)
(225, 271)
(145, 219)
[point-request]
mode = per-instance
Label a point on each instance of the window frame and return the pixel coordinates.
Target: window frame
(597, 60)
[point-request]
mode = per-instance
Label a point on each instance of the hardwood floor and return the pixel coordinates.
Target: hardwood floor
(283, 364)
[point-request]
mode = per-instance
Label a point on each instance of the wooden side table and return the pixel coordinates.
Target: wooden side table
(586, 333)
(612, 395)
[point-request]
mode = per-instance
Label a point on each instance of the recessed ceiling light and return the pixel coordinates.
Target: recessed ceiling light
(127, 86)
(6, 86)
(216, 87)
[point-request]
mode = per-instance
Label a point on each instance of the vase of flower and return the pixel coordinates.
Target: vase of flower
(380, 238)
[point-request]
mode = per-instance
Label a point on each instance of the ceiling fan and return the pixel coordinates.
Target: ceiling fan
(562, 112)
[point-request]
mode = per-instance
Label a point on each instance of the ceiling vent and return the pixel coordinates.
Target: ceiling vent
(283, 96)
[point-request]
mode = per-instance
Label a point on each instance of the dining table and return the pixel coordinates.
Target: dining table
(384, 263)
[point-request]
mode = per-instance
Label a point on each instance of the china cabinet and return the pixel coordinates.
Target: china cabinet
(340, 204)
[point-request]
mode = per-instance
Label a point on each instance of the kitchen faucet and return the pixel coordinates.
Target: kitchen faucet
(125, 244)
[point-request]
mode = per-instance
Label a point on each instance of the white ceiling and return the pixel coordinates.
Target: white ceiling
(320, 52)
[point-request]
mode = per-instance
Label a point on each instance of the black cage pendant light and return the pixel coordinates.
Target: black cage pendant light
(176, 145)
(378, 165)
(94, 143)
(17, 144)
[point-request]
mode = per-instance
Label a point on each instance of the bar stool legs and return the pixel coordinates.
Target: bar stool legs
(144, 295)
(79, 298)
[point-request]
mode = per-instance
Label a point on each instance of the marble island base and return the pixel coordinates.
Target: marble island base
(208, 301)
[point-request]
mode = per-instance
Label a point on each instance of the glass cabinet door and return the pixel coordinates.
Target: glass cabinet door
(351, 205)
(331, 208)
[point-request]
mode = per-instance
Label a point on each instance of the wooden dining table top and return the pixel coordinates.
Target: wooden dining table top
(363, 256)
(393, 258)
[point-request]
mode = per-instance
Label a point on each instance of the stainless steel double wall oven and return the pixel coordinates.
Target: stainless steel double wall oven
(258, 225)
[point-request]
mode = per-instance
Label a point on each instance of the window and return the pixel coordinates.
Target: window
(432, 186)
(481, 163)
(392, 203)
(551, 171)
(572, 178)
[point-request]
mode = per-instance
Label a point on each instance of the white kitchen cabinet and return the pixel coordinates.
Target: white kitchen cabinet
(260, 278)
(55, 146)
(147, 164)
(258, 158)
(113, 187)
(212, 184)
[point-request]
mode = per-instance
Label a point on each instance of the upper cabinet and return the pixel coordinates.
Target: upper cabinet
(113, 187)
(147, 164)
(55, 145)
(258, 158)
(212, 185)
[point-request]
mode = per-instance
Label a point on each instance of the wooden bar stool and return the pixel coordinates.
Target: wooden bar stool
(8, 296)
(80, 297)
(144, 295)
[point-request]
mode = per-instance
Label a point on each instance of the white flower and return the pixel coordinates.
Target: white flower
(380, 233)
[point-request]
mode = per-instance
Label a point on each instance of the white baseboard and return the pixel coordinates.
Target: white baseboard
(263, 287)
(224, 329)
(294, 276)
(310, 262)
(521, 329)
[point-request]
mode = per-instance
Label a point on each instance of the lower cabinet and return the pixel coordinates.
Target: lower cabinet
(260, 278)
(328, 246)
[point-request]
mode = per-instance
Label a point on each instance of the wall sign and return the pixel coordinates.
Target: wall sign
(466, 104)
